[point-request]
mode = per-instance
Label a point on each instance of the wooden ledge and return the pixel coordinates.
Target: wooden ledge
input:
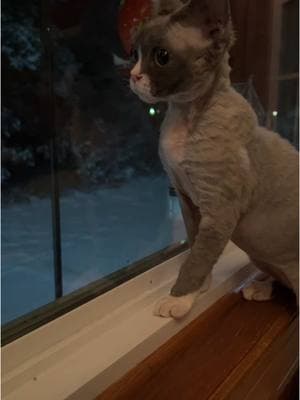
(236, 350)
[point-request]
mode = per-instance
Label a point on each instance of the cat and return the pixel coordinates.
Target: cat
(234, 179)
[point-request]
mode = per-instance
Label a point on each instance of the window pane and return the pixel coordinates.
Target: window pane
(288, 115)
(116, 203)
(84, 192)
(289, 57)
(288, 83)
(27, 259)
(116, 206)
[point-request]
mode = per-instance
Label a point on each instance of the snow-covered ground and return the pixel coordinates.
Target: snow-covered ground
(102, 231)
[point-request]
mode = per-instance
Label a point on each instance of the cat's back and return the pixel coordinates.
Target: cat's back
(275, 163)
(273, 159)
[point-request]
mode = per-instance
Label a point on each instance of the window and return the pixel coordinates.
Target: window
(286, 70)
(84, 197)
(86, 204)
(27, 257)
(267, 51)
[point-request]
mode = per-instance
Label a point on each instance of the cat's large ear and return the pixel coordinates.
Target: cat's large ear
(163, 7)
(212, 16)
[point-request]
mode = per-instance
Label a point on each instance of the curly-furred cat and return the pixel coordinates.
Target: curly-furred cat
(235, 180)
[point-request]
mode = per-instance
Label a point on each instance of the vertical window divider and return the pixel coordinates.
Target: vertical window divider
(47, 31)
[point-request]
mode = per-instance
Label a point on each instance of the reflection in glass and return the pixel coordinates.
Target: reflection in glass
(288, 80)
(115, 202)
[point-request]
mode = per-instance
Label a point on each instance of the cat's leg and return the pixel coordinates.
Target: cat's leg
(177, 307)
(191, 216)
(214, 232)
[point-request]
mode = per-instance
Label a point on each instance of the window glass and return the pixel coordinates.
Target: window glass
(288, 80)
(84, 194)
(98, 200)
(115, 202)
(289, 49)
(27, 254)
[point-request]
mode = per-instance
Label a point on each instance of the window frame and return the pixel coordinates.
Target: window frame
(47, 313)
(105, 337)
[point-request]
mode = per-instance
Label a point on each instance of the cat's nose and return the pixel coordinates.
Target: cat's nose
(136, 77)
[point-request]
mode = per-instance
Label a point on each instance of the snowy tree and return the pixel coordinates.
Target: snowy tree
(103, 132)
(21, 43)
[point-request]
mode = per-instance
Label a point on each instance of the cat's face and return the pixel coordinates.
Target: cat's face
(174, 57)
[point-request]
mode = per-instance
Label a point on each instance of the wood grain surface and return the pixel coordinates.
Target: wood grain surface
(235, 350)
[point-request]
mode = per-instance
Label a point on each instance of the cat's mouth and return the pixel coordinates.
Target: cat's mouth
(143, 91)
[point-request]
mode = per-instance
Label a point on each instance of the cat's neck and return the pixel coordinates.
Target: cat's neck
(203, 98)
(218, 106)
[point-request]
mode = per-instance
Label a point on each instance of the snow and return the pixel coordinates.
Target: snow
(21, 42)
(101, 232)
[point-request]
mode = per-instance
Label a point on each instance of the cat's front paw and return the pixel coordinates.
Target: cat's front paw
(176, 307)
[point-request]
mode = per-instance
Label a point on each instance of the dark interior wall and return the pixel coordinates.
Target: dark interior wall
(251, 55)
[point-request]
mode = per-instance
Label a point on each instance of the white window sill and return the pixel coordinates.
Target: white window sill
(81, 353)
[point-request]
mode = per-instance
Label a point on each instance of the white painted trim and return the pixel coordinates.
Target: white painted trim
(81, 353)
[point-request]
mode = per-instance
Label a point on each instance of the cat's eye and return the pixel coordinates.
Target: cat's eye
(161, 56)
